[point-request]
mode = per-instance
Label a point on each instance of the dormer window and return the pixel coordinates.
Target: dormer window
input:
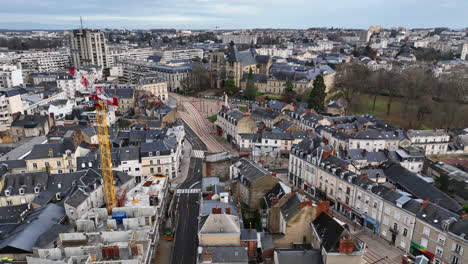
(83, 165)
(36, 189)
(150, 154)
(58, 196)
(157, 153)
(21, 191)
(7, 193)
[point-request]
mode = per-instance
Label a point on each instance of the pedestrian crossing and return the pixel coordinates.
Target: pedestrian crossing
(199, 154)
(188, 191)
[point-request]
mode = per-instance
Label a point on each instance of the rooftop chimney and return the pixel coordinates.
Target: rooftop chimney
(423, 205)
(51, 153)
(250, 227)
(274, 200)
(323, 206)
(305, 203)
(346, 245)
(228, 210)
(216, 210)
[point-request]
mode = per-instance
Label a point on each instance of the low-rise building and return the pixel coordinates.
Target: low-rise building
(433, 142)
(253, 181)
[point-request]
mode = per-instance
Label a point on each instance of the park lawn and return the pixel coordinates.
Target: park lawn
(397, 115)
(242, 108)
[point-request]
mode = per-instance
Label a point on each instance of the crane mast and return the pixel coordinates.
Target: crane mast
(101, 103)
(106, 161)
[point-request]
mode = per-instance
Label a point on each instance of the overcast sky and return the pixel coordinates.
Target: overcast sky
(231, 14)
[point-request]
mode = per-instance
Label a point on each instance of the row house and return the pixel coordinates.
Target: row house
(375, 140)
(416, 226)
(161, 157)
(230, 124)
(433, 142)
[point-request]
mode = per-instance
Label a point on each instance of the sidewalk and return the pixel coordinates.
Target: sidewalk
(184, 164)
(163, 253)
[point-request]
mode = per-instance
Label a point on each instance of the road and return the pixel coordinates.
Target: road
(186, 239)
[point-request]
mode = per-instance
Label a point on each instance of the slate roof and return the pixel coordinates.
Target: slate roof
(42, 151)
(29, 121)
(279, 190)
(410, 182)
(164, 146)
(13, 164)
(229, 254)
(263, 113)
(292, 206)
(288, 256)
(247, 235)
(26, 181)
(369, 156)
(129, 153)
(233, 55)
(12, 214)
(24, 236)
(249, 170)
(283, 125)
(426, 133)
(206, 207)
(329, 231)
(120, 92)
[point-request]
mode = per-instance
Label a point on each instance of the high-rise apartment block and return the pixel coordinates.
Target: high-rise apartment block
(88, 47)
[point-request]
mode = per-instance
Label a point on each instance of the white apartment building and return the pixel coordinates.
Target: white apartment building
(117, 53)
(134, 71)
(180, 54)
(44, 61)
(70, 85)
(156, 86)
(10, 76)
(10, 104)
(161, 157)
(433, 142)
(464, 52)
(88, 47)
(241, 38)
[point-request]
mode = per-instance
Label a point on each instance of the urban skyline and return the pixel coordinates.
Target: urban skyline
(209, 14)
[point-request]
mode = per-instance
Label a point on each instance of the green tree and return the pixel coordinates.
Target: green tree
(289, 94)
(231, 88)
(318, 94)
(289, 86)
(310, 63)
(251, 90)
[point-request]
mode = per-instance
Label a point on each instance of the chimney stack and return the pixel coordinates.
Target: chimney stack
(423, 205)
(305, 203)
(228, 210)
(323, 206)
(250, 227)
(346, 245)
(274, 200)
(216, 210)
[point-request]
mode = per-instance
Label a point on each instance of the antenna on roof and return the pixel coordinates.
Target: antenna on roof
(81, 22)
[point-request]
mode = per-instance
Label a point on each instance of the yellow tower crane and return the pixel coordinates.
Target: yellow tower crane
(101, 103)
(106, 160)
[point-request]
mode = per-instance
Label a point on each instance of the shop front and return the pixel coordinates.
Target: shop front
(344, 210)
(417, 250)
(371, 224)
(309, 189)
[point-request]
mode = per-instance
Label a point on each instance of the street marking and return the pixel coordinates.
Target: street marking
(195, 183)
(179, 191)
(199, 154)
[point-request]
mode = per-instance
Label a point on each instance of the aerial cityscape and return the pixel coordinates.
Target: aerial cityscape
(238, 131)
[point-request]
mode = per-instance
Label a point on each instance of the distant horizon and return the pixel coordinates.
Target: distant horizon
(225, 29)
(231, 14)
